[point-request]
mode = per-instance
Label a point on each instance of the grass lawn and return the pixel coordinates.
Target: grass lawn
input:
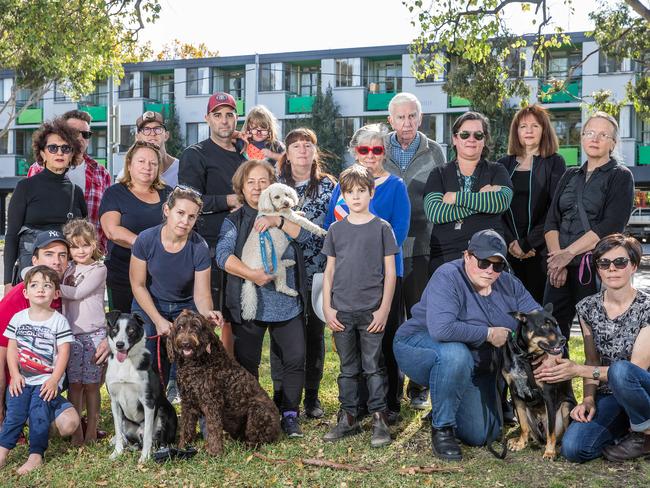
(89, 467)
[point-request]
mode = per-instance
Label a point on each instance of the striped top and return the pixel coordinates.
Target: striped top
(467, 203)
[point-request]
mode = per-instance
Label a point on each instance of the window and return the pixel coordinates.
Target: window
(4, 143)
(97, 144)
(428, 126)
(559, 63)
(644, 132)
(99, 96)
(567, 125)
(127, 137)
(384, 76)
(23, 96)
(23, 143)
(347, 126)
(515, 63)
(304, 80)
(271, 77)
(158, 86)
(196, 132)
(127, 86)
(608, 63)
(419, 67)
(348, 72)
(59, 92)
(2, 91)
(232, 81)
(198, 81)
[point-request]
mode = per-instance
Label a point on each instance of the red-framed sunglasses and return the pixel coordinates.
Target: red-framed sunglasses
(376, 150)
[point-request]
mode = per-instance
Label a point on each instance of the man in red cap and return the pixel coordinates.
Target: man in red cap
(208, 166)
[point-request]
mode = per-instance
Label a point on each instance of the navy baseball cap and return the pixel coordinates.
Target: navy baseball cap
(47, 237)
(488, 243)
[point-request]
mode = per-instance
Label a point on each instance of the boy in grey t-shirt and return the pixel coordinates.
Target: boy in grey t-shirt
(358, 287)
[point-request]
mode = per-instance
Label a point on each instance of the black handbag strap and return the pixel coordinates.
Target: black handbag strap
(70, 214)
(580, 188)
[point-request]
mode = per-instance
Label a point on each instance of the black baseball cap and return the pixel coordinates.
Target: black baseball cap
(46, 237)
(486, 244)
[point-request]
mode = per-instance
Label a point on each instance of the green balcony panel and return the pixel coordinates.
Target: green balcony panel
(301, 105)
(570, 155)
(573, 89)
(31, 116)
(379, 101)
(162, 108)
(241, 106)
(643, 156)
(101, 161)
(455, 101)
(98, 113)
(22, 166)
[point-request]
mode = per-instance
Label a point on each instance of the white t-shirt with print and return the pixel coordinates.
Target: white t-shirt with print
(38, 343)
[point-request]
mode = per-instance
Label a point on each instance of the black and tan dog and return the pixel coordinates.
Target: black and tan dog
(542, 408)
(215, 386)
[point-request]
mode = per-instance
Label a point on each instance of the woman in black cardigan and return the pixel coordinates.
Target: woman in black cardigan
(535, 169)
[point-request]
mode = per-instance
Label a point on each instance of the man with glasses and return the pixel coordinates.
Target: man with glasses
(89, 175)
(151, 128)
(449, 342)
(412, 156)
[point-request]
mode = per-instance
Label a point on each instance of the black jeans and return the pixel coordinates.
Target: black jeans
(532, 273)
(289, 335)
(565, 298)
(120, 298)
(359, 353)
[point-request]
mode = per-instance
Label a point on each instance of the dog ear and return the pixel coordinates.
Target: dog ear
(138, 319)
(294, 196)
(265, 205)
(112, 316)
(171, 352)
(520, 316)
(549, 307)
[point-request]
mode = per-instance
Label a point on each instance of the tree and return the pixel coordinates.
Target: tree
(324, 113)
(175, 143)
(183, 50)
(72, 42)
(475, 35)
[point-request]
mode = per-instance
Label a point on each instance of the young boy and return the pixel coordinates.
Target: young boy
(37, 355)
(358, 287)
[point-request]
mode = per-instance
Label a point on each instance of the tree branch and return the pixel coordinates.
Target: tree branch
(495, 10)
(639, 8)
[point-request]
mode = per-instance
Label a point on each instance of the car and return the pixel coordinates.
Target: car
(30, 362)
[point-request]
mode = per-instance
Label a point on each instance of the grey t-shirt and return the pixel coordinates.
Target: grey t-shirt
(359, 251)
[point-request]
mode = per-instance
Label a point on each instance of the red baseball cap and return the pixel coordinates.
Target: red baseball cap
(221, 98)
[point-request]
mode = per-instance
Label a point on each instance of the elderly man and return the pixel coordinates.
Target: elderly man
(412, 157)
(448, 342)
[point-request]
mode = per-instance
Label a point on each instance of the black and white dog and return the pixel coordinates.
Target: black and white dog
(142, 414)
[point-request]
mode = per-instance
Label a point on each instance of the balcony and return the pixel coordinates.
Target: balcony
(241, 106)
(455, 102)
(379, 101)
(98, 113)
(571, 155)
(300, 105)
(22, 166)
(162, 108)
(642, 154)
(30, 116)
(571, 93)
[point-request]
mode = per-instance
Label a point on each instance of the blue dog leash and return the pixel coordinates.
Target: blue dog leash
(266, 236)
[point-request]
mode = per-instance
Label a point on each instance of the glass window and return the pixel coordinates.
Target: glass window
(644, 132)
(158, 86)
(515, 64)
(428, 126)
(230, 81)
(271, 77)
(384, 76)
(97, 144)
(560, 62)
(348, 72)
(4, 143)
(609, 64)
(2, 90)
(127, 137)
(347, 126)
(418, 67)
(127, 86)
(23, 143)
(99, 96)
(198, 81)
(59, 93)
(196, 132)
(567, 125)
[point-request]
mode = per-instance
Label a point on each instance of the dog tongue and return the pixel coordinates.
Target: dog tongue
(121, 356)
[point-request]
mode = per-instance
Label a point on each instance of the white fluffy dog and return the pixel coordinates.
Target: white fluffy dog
(277, 200)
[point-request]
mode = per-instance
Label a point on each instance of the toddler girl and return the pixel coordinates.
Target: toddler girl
(82, 291)
(260, 131)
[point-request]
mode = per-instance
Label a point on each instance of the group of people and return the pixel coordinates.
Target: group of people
(411, 271)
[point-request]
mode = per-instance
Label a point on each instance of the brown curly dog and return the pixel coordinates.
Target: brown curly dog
(214, 385)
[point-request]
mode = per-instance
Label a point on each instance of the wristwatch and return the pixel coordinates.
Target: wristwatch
(281, 222)
(595, 374)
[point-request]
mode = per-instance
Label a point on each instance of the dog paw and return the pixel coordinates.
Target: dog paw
(143, 458)
(517, 444)
(115, 454)
(549, 455)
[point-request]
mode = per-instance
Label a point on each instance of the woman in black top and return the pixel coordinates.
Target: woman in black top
(467, 194)
(47, 200)
(535, 169)
(128, 207)
(591, 202)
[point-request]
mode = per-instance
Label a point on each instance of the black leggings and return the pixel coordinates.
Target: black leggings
(289, 336)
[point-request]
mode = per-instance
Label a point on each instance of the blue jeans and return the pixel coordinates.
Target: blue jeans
(461, 396)
(28, 405)
(631, 388)
(169, 310)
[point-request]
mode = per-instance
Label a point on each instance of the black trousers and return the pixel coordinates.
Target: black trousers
(289, 336)
(532, 273)
(120, 298)
(565, 298)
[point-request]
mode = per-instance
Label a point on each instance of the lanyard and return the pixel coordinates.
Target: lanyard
(266, 236)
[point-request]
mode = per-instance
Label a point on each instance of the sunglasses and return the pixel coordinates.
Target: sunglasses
(478, 135)
(54, 148)
(376, 150)
(86, 134)
(147, 131)
(619, 263)
(188, 189)
(259, 132)
(486, 263)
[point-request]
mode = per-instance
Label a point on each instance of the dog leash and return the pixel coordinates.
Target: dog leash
(266, 237)
(158, 338)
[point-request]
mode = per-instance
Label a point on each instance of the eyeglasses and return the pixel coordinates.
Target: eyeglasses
(54, 148)
(86, 134)
(259, 132)
(478, 135)
(619, 263)
(376, 150)
(592, 134)
(147, 131)
(486, 263)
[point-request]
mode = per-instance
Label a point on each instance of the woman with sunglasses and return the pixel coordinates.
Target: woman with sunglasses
(47, 200)
(134, 203)
(613, 419)
(535, 169)
(591, 202)
(466, 195)
(302, 169)
(390, 201)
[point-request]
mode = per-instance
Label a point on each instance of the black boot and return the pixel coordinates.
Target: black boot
(445, 445)
(380, 432)
(347, 425)
(313, 408)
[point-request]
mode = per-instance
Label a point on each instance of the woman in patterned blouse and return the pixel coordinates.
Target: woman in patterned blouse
(301, 168)
(617, 349)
